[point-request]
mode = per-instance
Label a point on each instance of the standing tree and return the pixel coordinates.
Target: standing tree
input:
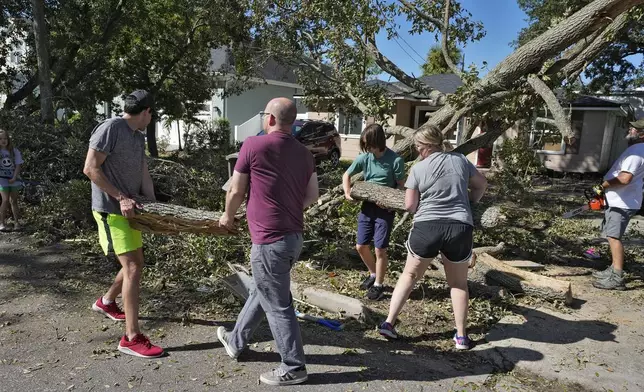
(41, 35)
(436, 64)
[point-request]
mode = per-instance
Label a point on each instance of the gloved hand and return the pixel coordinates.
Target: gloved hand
(597, 190)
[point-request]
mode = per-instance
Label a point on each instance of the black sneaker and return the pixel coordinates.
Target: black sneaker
(375, 293)
(387, 330)
(367, 282)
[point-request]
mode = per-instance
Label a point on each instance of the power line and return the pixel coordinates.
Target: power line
(422, 58)
(407, 53)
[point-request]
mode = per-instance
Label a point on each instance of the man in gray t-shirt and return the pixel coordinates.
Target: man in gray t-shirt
(117, 166)
(123, 166)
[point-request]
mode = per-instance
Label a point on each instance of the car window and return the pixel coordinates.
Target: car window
(306, 131)
(296, 130)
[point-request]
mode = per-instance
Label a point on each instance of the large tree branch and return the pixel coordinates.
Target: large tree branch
(546, 120)
(481, 140)
(549, 97)
(391, 68)
(23, 92)
(444, 40)
(178, 57)
(529, 57)
(591, 51)
(473, 106)
(318, 68)
(435, 21)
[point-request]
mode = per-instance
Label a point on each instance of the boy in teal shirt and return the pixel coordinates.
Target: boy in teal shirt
(381, 166)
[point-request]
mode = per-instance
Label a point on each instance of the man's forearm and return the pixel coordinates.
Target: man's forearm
(234, 200)
(613, 182)
(97, 176)
(147, 188)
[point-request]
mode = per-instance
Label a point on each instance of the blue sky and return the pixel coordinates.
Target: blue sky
(502, 21)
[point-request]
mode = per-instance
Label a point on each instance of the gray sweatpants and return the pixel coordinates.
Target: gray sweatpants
(271, 265)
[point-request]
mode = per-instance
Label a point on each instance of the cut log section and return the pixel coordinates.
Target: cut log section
(391, 198)
(520, 281)
(394, 199)
(162, 218)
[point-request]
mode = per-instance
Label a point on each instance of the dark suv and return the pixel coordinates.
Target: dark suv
(321, 138)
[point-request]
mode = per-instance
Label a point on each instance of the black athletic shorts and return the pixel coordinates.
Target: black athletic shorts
(451, 238)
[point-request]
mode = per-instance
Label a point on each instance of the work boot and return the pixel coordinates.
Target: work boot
(604, 273)
(612, 282)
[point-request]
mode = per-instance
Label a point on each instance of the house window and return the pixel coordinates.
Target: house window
(422, 115)
(350, 125)
(547, 139)
(204, 109)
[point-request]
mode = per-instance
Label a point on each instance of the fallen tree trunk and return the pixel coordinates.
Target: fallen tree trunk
(394, 199)
(162, 218)
(517, 280)
(490, 275)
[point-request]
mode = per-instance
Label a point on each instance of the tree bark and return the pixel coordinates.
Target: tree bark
(444, 40)
(561, 120)
(530, 57)
(521, 281)
(166, 219)
(394, 199)
(41, 35)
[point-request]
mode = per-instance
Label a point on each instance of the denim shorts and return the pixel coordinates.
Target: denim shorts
(375, 223)
(454, 239)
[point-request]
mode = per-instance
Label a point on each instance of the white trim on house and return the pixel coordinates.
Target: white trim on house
(281, 84)
(227, 77)
(431, 109)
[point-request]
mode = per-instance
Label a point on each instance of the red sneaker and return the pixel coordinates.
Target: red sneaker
(112, 310)
(139, 346)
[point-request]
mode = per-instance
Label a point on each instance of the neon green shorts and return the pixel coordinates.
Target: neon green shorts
(115, 234)
(11, 188)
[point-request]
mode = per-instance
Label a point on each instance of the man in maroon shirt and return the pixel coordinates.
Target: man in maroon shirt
(280, 173)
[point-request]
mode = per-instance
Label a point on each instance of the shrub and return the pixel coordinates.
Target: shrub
(63, 212)
(51, 154)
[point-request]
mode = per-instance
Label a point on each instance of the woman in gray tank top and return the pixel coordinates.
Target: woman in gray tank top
(439, 191)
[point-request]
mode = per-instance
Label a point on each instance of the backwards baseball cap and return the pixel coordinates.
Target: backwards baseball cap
(639, 124)
(141, 98)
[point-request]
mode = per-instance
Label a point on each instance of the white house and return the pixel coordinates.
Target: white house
(240, 109)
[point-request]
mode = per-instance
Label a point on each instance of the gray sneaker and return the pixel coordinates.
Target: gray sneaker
(222, 335)
(604, 273)
(280, 377)
(612, 282)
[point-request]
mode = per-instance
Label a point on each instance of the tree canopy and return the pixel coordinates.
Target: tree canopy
(101, 49)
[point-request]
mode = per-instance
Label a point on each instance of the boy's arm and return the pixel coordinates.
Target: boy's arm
(356, 167)
(399, 172)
